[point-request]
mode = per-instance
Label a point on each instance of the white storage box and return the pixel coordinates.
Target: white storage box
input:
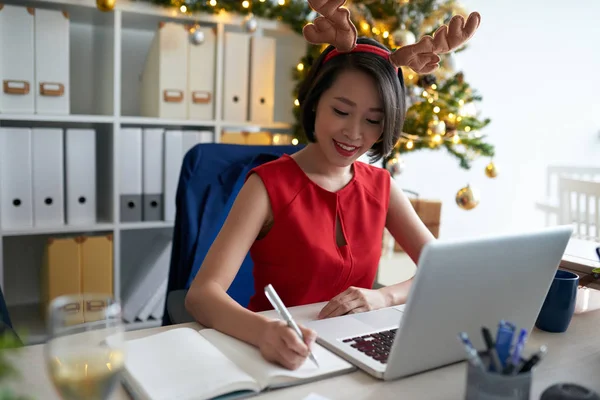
(164, 79)
(51, 62)
(16, 59)
(201, 77)
(262, 79)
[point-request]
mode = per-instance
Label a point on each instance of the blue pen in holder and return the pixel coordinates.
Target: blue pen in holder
(485, 385)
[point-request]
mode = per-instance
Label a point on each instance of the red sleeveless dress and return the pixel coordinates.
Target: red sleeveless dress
(299, 256)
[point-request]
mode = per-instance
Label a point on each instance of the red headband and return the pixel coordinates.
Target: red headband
(362, 48)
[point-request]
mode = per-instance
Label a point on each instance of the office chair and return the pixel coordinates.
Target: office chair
(211, 176)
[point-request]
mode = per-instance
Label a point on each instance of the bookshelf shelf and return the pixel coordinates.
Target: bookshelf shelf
(66, 229)
(107, 54)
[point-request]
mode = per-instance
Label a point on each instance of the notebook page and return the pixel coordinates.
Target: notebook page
(268, 374)
(179, 364)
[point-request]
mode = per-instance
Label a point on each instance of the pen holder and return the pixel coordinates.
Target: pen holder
(486, 385)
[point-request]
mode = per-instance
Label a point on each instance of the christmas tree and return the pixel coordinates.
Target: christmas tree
(442, 112)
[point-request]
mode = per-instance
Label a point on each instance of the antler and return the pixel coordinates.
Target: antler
(422, 57)
(332, 27)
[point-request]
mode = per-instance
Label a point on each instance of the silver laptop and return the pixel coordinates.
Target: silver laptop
(460, 285)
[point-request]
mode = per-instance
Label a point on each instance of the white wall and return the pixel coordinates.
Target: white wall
(536, 65)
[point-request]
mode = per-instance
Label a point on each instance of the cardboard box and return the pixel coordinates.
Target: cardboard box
(430, 212)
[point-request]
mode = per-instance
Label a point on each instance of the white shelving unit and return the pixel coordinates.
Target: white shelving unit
(107, 53)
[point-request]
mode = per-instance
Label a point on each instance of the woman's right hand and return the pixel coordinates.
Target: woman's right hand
(281, 345)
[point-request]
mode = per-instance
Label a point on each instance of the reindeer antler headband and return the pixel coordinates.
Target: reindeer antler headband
(334, 27)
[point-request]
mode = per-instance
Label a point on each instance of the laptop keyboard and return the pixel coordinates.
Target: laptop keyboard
(375, 345)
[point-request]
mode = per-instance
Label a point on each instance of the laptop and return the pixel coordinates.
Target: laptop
(460, 285)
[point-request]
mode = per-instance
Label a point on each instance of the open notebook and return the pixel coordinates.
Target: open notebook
(186, 364)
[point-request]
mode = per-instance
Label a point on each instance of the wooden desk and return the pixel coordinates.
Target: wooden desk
(573, 357)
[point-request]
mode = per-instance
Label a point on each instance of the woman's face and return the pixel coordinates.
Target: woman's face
(349, 118)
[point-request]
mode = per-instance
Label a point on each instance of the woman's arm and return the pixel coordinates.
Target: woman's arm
(207, 299)
(410, 232)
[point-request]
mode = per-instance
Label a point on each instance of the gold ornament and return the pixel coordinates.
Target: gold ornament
(105, 5)
(467, 198)
(490, 170)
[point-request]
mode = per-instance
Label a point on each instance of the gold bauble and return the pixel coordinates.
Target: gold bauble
(467, 198)
(490, 170)
(105, 5)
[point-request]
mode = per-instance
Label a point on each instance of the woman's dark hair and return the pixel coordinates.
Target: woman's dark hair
(390, 86)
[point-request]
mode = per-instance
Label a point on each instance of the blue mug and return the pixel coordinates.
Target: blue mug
(559, 305)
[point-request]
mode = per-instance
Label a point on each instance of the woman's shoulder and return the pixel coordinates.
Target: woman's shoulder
(371, 173)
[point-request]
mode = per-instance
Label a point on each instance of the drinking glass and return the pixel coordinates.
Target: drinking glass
(85, 351)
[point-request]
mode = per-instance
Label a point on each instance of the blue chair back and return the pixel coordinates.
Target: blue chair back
(211, 176)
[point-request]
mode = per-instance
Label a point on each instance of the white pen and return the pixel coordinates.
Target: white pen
(285, 315)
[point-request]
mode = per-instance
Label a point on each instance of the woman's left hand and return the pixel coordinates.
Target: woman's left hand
(354, 300)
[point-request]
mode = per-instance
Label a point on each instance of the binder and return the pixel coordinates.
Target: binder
(61, 275)
(201, 77)
(154, 302)
(172, 166)
(159, 308)
(262, 79)
(206, 137)
(164, 78)
(17, 60)
(16, 186)
(130, 174)
(235, 78)
(188, 140)
(151, 272)
(48, 177)
(52, 90)
(80, 176)
(96, 274)
(152, 174)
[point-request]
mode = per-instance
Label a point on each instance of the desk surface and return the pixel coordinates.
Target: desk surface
(573, 356)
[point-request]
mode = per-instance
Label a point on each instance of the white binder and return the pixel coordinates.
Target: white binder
(51, 62)
(130, 174)
(17, 60)
(48, 177)
(201, 77)
(188, 140)
(206, 137)
(159, 309)
(172, 165)
(16, 189)
(235, 78)
(262, 79)
(152, 174)
(80, 176)
(164, 78)
(151, 272)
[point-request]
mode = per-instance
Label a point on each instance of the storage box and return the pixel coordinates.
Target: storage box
(430, 212)
(17, 60)
(165, 75)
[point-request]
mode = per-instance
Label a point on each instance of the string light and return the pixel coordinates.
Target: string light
(296, 103)
(245, 4)
(436, 109)
(294, 141)
(183, 8)
(300, 67)
(213, 3)
(385, 35)
(281, 2)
